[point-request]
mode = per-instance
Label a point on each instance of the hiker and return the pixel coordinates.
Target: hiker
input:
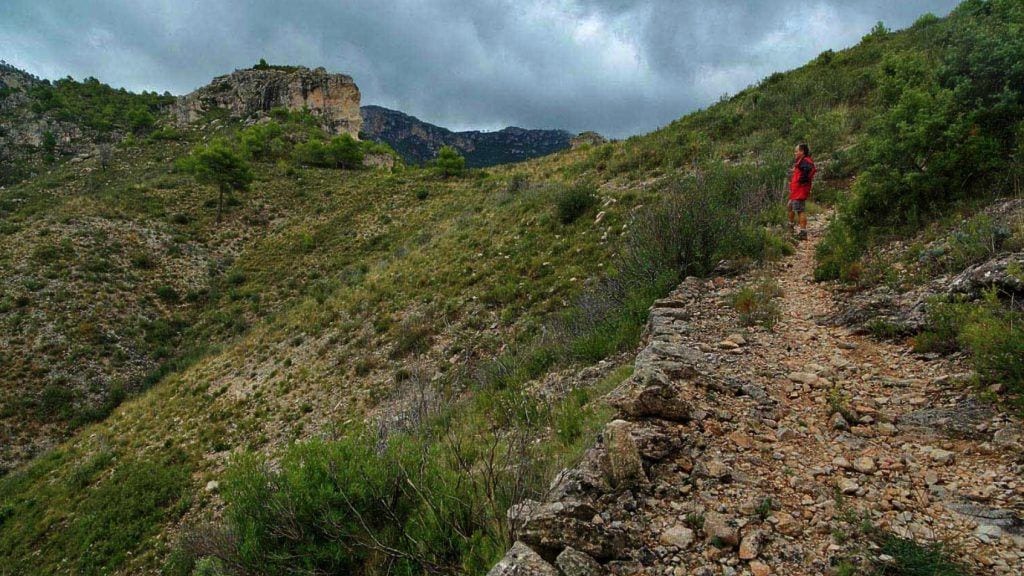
(800, 188)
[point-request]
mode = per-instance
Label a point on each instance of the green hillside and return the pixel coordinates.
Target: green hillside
(345, 374)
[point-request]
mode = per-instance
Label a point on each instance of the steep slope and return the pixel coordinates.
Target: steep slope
(43, 122)
(418, 141)
(427, 339)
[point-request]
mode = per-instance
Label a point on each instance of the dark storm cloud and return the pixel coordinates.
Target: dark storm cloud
(617, 66)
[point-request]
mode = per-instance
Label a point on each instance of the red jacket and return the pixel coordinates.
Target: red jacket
(803, 176)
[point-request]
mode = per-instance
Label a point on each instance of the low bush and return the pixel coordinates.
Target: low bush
(347, 507)
(910, 558)
(264, 142)
(338, 152)
(994, 336)
(990, 330)
(98, 528)
(571, 202)
(449, 163)
(756, 305)
(718, 214)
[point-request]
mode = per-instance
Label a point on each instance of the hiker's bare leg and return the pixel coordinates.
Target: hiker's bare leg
(803, 221)
(792, 216)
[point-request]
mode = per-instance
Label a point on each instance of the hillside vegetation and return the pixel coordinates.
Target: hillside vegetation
(352, 370)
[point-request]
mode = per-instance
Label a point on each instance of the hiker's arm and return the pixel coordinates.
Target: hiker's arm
(805, 172)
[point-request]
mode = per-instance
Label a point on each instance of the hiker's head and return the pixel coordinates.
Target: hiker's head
(802, 151)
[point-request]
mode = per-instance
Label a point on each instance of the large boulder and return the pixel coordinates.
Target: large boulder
(554, 526)
(572, 562)
(520, 560)
(649, 393)
(622, 459)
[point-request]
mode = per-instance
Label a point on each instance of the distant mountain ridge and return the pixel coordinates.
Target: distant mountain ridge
(418, 141)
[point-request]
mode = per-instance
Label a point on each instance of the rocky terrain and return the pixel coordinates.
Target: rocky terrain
(963, 264)
(588, 138)
(253, 93)
(781, 451)
(23, 130)
(418, 141)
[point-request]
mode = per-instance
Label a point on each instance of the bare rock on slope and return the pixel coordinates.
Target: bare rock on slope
(252, 93)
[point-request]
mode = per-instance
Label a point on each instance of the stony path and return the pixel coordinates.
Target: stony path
(755, 451)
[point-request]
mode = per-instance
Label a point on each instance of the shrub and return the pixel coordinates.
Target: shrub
(264, 142)
(995, 338)
(165, 133)
(989, 330)
(345, 507)
(100, 527)
(339, 152)
(413, 337)
(913, 559)
(942, 330)
(717, 214)
(574, 201)
(756, 304)
(449, 162)
(57, 400)
(167, 293)
(143, 260)
(519, 182)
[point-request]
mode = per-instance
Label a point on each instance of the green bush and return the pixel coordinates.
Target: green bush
(989, 330)
(449, 163)
(574, 201)
(720, 213)
(942, 330)
(913, 559)
(995, 338)
(755, 303)
(339, 152)
(264, 142)
(346, 507)
(946, 132)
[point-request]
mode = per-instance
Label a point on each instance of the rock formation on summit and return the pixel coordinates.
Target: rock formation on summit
(252, 93)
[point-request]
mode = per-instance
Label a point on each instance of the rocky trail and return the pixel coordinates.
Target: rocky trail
(746, 450)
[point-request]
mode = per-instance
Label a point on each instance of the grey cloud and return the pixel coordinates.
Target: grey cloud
(617, 66)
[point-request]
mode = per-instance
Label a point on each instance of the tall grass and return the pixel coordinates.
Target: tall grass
(716, 214)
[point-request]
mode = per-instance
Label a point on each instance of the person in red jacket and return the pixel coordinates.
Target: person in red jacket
(800, 188)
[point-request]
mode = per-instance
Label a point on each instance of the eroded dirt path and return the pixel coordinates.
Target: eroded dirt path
(849, 429)
(747, 450)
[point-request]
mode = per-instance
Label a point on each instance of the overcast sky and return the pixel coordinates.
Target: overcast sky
(620, 67)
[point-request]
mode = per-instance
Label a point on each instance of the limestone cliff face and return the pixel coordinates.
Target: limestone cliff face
(333, 98)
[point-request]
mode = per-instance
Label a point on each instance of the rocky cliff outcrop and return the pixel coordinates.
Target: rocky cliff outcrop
(418, 141)
(23, 130)
(252, 93)
(588, 138)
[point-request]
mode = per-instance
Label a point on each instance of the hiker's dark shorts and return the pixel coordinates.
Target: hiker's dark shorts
(797, 205)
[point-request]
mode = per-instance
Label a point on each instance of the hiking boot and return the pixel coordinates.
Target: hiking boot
(801, 235)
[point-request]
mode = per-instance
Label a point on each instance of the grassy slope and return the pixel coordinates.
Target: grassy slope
(300, 330)
(336, 273)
